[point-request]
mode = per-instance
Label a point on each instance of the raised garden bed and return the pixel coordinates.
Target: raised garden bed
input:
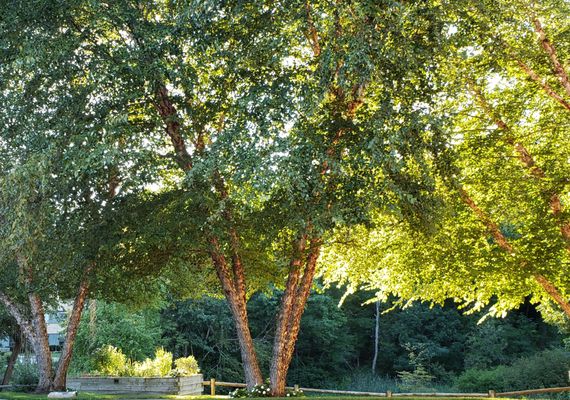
(181, 385)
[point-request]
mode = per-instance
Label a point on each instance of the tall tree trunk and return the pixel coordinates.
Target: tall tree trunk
(59, 382)
(236, 301)
(376, 336)
(297, 290)
(40, 344)
(39, 338)
(233, 282)
(13, 358)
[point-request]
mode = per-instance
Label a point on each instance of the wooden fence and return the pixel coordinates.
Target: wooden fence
(212, 383)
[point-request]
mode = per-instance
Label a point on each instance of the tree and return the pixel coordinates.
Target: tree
(260, 149)
(502, 235)
(59, 178)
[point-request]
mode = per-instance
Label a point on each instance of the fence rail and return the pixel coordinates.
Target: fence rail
(491, 393)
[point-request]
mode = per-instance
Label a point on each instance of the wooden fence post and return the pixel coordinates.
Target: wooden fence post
(296, 388)
(388, 393)
(212, 387)
(492, 393)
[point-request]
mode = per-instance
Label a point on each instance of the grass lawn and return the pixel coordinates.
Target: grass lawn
(92, 396)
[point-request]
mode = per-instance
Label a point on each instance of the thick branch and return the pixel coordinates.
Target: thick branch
(550, 50)
(553, 292)
(542, 83)
(554, 201)
(312, 33)
(24, 323)
(491, 226)
(169, 116)
(504, 244)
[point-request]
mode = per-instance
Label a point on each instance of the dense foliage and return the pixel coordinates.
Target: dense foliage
(335, 346)
(414, 149)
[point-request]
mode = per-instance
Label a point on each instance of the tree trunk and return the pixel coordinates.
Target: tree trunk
(40, 344)
(236, 301)
(59, 382)
(376, 336)
(293, 303)
(13, 358)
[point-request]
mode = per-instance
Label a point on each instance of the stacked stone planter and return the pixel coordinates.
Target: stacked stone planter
(181, 385)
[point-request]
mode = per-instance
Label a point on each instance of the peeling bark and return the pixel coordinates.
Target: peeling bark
(550, 50)
(59, 382)
(297, 291)
(239, 313)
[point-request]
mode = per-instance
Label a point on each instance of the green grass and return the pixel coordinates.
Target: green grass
(92, 396)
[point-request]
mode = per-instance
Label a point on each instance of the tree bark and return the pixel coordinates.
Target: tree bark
(59, 382)
(293, 303)
(13, 358)
(237, 304)
(40, 344)
(550, 50)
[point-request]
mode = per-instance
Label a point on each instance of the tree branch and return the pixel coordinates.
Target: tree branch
(550, 50)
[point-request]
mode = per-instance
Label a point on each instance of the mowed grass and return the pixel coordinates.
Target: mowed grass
(92, 396)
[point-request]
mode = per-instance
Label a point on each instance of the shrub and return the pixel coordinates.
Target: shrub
(161, 365)
(110, 360)
(186, 366)
(25, 373)
(419, 379)
(545, 369)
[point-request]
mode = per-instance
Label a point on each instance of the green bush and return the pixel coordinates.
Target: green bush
(111, 361)
(186, 366)
(545, 369)
(25, 373)
(161, 365)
